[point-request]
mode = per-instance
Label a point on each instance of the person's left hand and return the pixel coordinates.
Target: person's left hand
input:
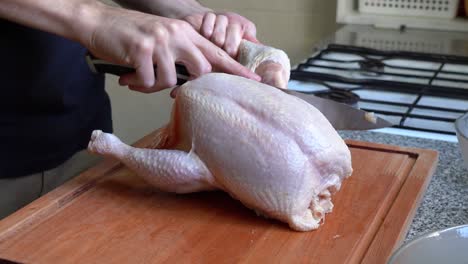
(225, 29)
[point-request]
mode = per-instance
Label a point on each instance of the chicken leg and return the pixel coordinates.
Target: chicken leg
(168, 170)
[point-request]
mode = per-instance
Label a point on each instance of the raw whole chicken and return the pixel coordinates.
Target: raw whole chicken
(275, 153)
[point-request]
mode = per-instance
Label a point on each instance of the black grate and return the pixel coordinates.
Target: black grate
(422, 78)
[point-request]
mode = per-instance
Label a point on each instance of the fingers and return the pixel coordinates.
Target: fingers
(222, 62)
(233, 39)
(172, 41)
(196, 21)
(250, 33)
(219, 31)
(144, 75)
(208, 25)
(227, 30)
(165, 72)
(195, 62)
(166, 75)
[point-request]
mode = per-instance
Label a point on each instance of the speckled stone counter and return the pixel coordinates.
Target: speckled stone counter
(445, 203)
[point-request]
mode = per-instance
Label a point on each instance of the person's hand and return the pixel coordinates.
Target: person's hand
(226, 30)
(140, 40)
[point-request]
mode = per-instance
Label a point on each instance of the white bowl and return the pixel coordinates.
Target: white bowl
(445, 246)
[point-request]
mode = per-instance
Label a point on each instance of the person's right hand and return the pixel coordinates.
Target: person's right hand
(140, 40)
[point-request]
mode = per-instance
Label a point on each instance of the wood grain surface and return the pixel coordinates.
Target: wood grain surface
(109, 215)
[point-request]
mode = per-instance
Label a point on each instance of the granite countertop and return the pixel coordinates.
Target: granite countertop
(445, 203)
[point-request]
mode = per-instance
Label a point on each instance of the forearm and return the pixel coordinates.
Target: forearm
(167, 8)
(72, 19)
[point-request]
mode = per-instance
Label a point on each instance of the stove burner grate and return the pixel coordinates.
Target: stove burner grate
(342, 96)
(416, 81)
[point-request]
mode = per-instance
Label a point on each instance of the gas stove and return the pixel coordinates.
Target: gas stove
(417, 92)
(416, 79)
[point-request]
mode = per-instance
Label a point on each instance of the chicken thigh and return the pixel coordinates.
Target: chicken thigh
(275, 153)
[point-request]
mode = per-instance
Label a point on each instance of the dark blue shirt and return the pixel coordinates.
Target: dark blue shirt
(50, 100)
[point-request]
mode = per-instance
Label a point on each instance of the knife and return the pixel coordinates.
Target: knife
(343, 116)
(101, 66)
(340, 115)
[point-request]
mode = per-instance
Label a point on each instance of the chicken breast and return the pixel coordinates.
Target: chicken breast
(275, 153)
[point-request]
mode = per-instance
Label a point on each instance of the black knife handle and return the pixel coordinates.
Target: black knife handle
(101, 66)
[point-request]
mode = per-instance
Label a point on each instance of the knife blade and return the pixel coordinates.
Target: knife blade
(341, 116)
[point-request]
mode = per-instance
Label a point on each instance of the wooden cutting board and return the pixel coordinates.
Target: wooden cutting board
(108, 215)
